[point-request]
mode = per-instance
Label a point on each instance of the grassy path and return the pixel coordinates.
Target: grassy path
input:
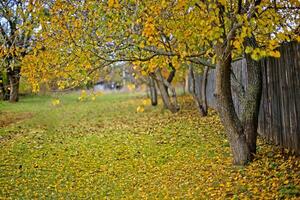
(104, 149)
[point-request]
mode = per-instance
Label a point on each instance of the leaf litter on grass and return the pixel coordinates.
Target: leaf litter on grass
(108, 150)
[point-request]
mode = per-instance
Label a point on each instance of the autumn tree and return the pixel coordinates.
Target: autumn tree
(79, 39)
(17, 27)
(82, 37)
(247, 28)
(225, 31)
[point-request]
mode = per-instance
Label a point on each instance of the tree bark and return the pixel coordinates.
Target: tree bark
(201, 106)
(251, 102)
(193, 91)
(13, 76)
(203, 91)
(2, 88)
(153, 91)
(171, 76)
(229, 118)
(162, 83)
(186, 84)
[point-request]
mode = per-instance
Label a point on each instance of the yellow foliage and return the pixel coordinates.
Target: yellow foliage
(146, 102)
(131, 87)
(140, 109)
(113, 4)
(55, 102)
(149, 28)
(93, 98)
(83, 96)
(275, 54)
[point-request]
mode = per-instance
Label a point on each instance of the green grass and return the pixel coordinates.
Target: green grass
(105, 149)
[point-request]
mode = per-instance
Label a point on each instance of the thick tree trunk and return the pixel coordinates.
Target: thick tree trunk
(14, 78)
(230, 120)
(153, 91)
(251, 102)
(162, 83)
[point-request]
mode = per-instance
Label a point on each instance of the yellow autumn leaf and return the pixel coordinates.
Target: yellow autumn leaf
(275, 54)
(55, 102)
(140, 109)
(113, 4)
(131, 87)
(237, 44)
(248, 49)
(146, 102)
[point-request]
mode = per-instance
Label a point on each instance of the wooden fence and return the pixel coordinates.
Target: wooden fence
(279, 116)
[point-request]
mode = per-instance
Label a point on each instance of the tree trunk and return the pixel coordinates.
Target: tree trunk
(153, 91)
(229, 118)
(193, 91)
(251, 102)
(171, 76)
(162, 83)
(183, 87)
(186, 84)
(2, 88)
(203, 92)
(14, 78)
(201, 106)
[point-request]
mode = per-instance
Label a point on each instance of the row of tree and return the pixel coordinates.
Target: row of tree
(70, 42)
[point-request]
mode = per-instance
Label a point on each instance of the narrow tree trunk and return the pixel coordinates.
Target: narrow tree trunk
(203, 92)
(148, 92)
(186, 84)
(251, 102)
(183, 87)
(2, 88)
(162, 83)
(230, 120)
(201, 106)
(14, 78)
(193, 91)
(153, 91)
(171, 76)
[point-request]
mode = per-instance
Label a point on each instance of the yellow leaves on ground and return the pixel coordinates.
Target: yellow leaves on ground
(145, 103)
(113, 4)
(140, 109)
(88, 95)
(55, 102)
(104, 149)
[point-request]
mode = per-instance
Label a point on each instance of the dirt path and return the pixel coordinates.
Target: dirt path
(7, 118)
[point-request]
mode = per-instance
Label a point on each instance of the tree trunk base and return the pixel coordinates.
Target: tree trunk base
(240, 150)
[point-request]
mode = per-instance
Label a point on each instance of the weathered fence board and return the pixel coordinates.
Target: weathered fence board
(279, 117)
